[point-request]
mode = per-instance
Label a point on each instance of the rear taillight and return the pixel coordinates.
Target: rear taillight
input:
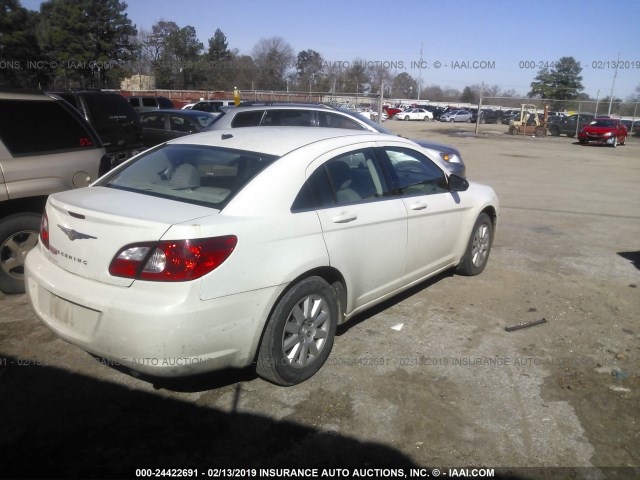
(44, 231)
(172, 260)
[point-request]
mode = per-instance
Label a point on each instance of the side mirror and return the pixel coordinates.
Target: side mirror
(457, 184)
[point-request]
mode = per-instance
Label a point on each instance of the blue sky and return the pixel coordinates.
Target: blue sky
(499, 42)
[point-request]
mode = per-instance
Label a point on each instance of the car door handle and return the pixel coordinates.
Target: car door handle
(418, 206)
(344, 217)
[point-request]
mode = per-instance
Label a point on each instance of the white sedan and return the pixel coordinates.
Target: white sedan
(414, 114)
(229, 248)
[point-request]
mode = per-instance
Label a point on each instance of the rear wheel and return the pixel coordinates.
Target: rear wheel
(18, 235)
(299, 334)
(477, 253)
(555, 131)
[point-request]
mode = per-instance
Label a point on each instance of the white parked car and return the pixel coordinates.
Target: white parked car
(414, 114)
(228, 248)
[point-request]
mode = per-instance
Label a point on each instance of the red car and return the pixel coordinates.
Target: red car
(391, 111)
(603, 131)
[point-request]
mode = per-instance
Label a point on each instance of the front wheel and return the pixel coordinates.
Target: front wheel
(614, 142)
(18, 235)
(406, 118)
(477, 253)
(299, 334)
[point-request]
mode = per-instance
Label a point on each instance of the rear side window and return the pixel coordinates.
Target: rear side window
(247, 119)
(38, 127)
(106, 109)
(155, 120)
(149, 102)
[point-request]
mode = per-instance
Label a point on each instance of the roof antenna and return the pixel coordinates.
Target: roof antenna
(226, 136)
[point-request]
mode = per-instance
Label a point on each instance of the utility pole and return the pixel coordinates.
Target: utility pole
(613, 83)
(380, 102)
(479, 106)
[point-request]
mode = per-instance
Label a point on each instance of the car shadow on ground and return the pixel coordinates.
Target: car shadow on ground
(58, 424)
(633, 257)
(224, 378)
(373, 311)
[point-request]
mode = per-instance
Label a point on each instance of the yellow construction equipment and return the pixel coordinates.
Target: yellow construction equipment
(529, 122)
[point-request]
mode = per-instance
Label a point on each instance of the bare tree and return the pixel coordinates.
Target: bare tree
(273, 58)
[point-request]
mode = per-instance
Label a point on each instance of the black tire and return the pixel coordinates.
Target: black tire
(571, 135)
(555, 131)
(406, 118)
(298, 338)
(479, 246)
(18, 234)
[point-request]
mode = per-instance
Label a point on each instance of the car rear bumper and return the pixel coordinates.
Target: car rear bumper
(158, 329)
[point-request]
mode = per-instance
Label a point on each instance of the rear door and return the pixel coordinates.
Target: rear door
(364, 227)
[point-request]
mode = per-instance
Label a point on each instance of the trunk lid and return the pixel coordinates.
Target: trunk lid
(88, 226)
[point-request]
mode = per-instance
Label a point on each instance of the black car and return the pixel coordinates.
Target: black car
(569, 125)
(163, 125)
(115, 120)
(488, 115)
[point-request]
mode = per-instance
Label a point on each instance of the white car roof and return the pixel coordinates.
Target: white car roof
(277, 140)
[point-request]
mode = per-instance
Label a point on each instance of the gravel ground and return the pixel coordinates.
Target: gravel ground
(451, 389)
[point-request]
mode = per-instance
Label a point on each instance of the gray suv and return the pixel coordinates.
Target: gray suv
(319, 115)
(45, 147)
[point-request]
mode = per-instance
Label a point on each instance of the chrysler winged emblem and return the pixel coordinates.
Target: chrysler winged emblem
(73, 234)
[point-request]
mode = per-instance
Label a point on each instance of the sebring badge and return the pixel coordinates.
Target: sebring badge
(73, 234)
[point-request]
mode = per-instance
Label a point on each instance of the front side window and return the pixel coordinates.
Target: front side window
(197, 174)
(182, 125)
(414, 173)
(332, 120)
(288, 118)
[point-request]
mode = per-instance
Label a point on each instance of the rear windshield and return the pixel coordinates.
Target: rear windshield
(39, 127)
(197, 174)
(106, 109)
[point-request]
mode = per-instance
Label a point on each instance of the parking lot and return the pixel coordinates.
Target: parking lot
(429, 379)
